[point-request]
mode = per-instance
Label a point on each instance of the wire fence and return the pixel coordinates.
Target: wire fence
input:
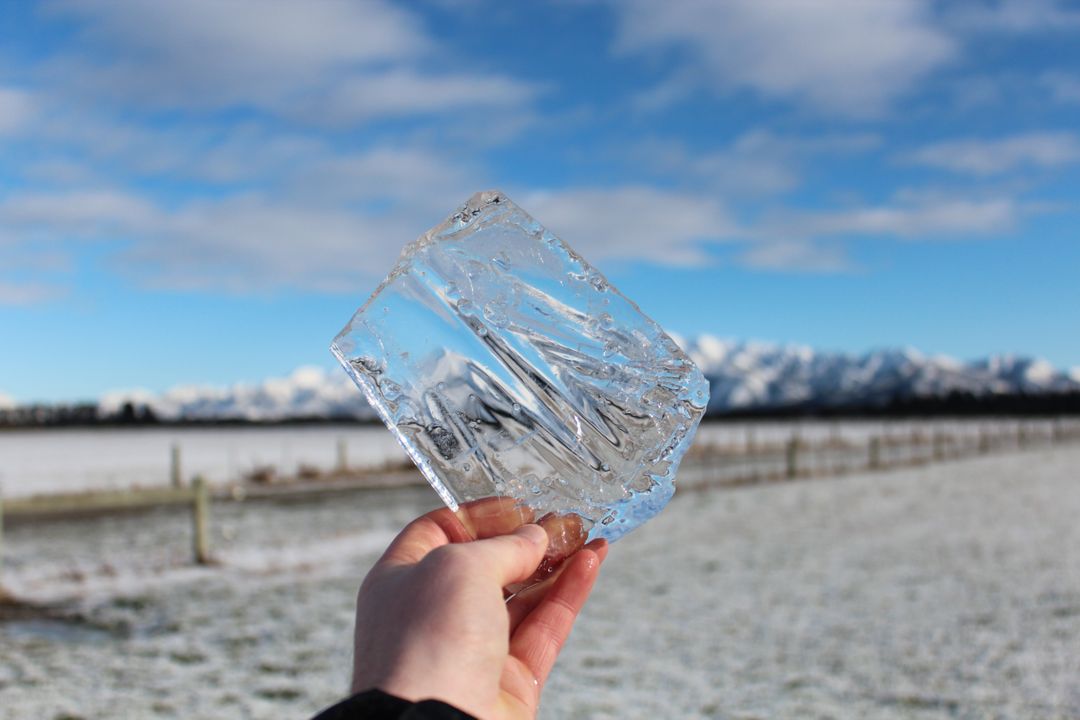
(718, 464)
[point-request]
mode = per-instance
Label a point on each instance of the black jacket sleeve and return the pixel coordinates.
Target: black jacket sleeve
(377, 705)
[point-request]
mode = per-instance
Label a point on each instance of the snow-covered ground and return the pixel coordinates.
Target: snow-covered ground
(944, 591)
(44, 461)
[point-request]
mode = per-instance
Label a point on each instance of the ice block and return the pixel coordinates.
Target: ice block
(508, 367)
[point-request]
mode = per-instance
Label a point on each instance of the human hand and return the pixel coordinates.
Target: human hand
(432, 621)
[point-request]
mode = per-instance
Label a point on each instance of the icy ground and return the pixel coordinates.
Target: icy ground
(946, 591)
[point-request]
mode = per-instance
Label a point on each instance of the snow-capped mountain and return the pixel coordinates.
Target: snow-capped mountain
(742, 376)
(750, 375)
(309, 392)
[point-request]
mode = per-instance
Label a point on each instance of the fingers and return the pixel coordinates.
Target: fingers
(540, 636)
(566, 534)
(524, 602)
(480, 519)
(493, 516)
(419, 537)
(514, 557)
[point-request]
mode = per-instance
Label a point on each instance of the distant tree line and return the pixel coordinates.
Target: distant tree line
(136, 415)
(956, 404)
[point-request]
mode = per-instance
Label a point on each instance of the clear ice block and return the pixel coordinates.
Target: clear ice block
(508, 367)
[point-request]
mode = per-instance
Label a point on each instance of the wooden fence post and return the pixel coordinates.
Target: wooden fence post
(792, 457)
(939, 446)
(175, 471)
(201, 520)
(342, 456)
(875, 453)
(1, 543)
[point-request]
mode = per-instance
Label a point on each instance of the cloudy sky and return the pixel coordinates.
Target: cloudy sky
(203, 192)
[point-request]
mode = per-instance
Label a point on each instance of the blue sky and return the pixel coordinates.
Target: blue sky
(203, 192)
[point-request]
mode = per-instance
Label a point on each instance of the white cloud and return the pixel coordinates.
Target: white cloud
(632, 223)
(925, 218)
(1063, 87)
(403, 92)
(239, 244)
(1012, 16)
(410, 175)
(90, 212)
(29, 293)
(796, 255)
(843, 56)
(816, 241)
(322, 62)
(6, 401)
(253, 244)
(992, 157)
(756, 163)
(242, 48)
(321, 221)
(16, 110)
(279, 35)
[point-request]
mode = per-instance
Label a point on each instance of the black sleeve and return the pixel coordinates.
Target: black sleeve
(377, 705)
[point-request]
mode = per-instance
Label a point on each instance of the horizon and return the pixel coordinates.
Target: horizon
(713, 354)
(203, 194)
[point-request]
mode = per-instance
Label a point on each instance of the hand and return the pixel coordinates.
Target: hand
(432, 621)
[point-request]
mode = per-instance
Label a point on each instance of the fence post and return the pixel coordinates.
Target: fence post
(939, 446)
(175, 471)
(201, 520)
(342, 456)
(1, 543)
(875, 453)
(792, 457)
(1021, 435)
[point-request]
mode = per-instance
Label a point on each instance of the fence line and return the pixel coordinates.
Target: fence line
(710, 465)
(706, 465)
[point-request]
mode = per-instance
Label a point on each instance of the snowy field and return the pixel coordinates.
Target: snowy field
(47, 461)
(944, 591)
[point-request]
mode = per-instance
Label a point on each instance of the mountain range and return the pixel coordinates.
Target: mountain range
(744, 377)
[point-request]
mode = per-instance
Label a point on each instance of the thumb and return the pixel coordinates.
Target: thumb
(514, 557)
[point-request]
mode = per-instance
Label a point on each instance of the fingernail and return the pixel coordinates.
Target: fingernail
(533, 533)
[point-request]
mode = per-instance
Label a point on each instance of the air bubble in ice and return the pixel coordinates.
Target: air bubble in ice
(495, 313)
(445, 443)
(369, 364)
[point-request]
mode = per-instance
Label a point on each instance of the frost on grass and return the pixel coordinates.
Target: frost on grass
(509, 367)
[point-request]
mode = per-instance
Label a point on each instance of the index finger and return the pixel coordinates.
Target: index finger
(476, 520)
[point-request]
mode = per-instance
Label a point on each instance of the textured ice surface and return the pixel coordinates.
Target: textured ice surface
(509, 367)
